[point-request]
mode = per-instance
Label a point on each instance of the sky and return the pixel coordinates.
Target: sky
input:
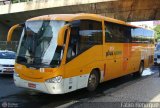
(146, 23)
(149, 24)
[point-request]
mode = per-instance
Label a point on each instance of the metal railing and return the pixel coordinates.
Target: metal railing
(8, 46)
(4, 2)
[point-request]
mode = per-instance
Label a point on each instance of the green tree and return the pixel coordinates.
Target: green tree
(157, 32)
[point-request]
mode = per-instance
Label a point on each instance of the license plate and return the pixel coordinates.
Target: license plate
(31, 85)
(9, 69)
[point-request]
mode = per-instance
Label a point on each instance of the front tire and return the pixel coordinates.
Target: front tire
(93, 81)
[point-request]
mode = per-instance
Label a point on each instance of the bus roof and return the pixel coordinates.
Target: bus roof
(71, 17)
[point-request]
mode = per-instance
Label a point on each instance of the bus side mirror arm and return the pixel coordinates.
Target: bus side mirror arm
(10, 32)
(61, 34)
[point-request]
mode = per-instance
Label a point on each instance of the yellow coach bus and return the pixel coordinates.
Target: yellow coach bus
(61, 53)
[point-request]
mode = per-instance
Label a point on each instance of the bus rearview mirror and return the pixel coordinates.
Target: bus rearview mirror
(61, 35)
(10, 32)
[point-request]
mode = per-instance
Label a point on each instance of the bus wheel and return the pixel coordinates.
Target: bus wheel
(141, 68)
(93, 81)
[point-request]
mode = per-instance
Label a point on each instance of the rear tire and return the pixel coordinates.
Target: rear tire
(140, 71)
(93, 80)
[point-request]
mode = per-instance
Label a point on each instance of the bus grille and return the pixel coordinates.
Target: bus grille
(8, 65)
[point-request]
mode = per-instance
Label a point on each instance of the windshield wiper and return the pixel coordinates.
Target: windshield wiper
(38, 65)
(21, 59)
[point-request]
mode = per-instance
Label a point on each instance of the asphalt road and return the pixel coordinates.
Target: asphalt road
(20, 97)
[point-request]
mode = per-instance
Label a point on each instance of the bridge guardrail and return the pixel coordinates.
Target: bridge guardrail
(4, 2)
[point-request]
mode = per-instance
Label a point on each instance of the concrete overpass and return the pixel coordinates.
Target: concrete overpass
(126, 10)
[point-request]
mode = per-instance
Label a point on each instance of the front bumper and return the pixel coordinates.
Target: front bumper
(49, 88)
(6, 70)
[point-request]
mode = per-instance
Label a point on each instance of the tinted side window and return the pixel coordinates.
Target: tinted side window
(148, 36)
(73, 43)
(90, 33)
(117, 33)
(84, 34)
(127, 34)
(136, 35)
(139, 35)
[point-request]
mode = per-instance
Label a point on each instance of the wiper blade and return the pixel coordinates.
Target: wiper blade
(21, 59)
(29, 56)
(38, 65)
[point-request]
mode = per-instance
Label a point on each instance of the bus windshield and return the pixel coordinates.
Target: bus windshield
(38, 44)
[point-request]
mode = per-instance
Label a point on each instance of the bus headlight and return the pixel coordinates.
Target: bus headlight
(57, 79)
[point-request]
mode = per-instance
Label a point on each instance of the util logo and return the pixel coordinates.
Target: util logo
(4, 105)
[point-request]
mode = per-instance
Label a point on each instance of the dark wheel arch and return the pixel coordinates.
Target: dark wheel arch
(141, 69)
